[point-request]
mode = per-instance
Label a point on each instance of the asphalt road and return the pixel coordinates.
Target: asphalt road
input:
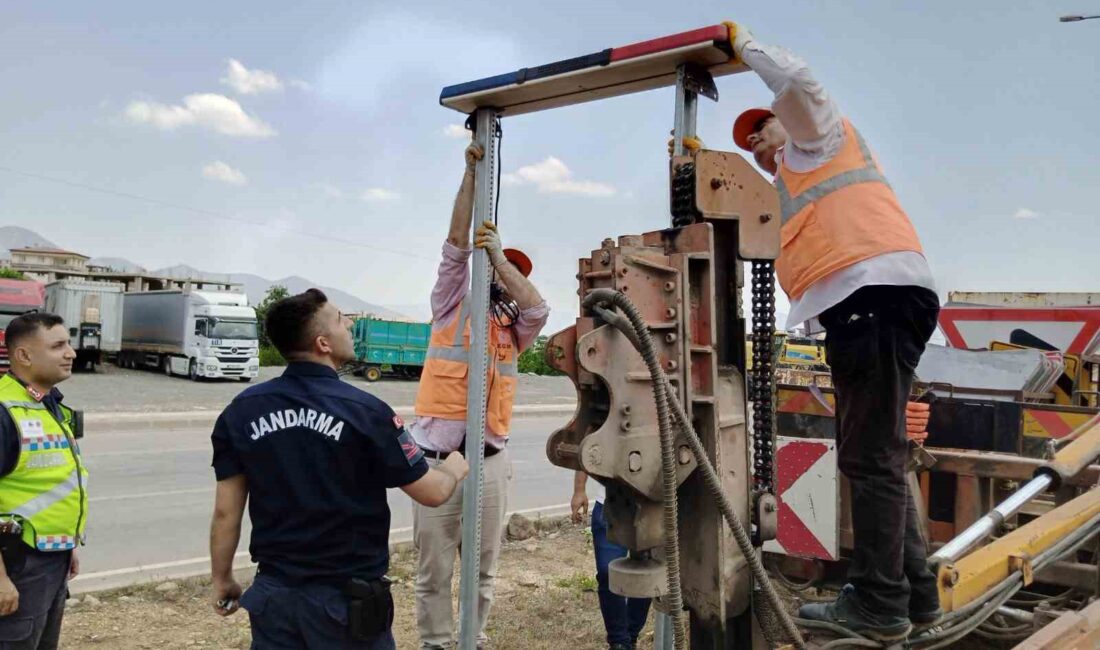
(114, 390)
(152, 491)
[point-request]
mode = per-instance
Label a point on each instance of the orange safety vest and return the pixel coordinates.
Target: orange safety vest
(839, 214)
(443, 383)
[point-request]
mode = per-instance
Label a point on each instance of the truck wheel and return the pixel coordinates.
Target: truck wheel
(246, 379)
(373, 373)
(193, 370)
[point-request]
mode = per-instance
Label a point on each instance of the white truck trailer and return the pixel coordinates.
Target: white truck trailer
(93, 314)
(200, 334)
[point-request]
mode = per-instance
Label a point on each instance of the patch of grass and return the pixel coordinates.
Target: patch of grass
(577, 581)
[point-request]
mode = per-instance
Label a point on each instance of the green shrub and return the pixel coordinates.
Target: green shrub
(533, 359)
(269, 356)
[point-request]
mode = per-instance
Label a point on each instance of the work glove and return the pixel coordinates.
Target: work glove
(489, 239)
(691, 144)
(473, 154)
(455, 464)
(740, 36)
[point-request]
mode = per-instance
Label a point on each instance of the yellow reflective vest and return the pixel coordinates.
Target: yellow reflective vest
(47, 490)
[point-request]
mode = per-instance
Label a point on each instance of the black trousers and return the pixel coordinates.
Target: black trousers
(874, 339)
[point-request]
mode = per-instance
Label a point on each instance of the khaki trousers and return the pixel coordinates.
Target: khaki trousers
(437, 535)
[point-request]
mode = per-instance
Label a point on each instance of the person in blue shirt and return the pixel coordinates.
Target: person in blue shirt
(312, 456)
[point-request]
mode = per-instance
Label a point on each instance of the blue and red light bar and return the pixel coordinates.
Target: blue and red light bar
(608, 73)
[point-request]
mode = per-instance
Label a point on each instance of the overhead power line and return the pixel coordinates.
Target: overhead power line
(207, 213)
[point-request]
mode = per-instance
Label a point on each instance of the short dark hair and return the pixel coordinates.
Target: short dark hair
(289, 323)
(27, 324)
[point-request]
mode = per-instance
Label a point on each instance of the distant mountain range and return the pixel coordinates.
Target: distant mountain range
(255, 286)
(17, 237)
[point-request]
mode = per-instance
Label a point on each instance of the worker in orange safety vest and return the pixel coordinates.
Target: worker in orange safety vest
(851, 264)
(516, 316)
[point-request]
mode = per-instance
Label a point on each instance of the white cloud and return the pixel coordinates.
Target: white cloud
(219, 171)
(328, 190)
(215, 112)
(551, 176)
(1025, 213)
(379, 195)
(250, 82)
(456, 131)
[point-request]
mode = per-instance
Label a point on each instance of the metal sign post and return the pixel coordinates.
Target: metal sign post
(476, 387)
(687, 103)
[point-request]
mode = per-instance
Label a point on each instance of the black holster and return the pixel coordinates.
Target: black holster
(370, 607)
(14, 551)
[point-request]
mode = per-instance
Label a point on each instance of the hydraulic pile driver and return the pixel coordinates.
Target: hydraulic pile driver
(670, 419)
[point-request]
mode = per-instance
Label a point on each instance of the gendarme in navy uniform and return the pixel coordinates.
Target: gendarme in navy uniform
(318, 455)
(313, 456)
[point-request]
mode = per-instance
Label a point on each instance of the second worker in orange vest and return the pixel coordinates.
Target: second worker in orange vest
(517, 315)
(851, 262)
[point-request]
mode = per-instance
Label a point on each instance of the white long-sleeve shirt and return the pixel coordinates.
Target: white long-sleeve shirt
(815, 130)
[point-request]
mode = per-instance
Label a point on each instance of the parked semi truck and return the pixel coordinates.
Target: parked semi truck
(17, 297)
(200, 334)
(390, 347)
(93, 314)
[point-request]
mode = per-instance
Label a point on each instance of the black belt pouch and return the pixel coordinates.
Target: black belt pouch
(370, 607)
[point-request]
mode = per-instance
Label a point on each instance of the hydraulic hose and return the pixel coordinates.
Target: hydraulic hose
(637, 332)
(668, 458)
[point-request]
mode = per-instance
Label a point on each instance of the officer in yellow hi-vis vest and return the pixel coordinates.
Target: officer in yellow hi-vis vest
(43, 484)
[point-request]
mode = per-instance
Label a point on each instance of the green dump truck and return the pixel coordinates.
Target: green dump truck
(394, 348)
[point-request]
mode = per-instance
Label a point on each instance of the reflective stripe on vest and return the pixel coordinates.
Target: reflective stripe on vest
(460, 355)
(869, 173)
(46, 491)
(47, 499)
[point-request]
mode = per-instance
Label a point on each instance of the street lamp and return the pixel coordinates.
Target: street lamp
(1074, 19)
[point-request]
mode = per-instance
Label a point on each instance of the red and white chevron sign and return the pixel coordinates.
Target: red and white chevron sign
(1075, 330)
(808, 492)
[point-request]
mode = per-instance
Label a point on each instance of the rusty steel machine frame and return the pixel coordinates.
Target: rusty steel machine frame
(687, 283)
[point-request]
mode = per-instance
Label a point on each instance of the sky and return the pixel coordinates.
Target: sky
(307, 139)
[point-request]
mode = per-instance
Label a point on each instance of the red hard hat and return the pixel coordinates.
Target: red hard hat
(520, 259)
(746, 124)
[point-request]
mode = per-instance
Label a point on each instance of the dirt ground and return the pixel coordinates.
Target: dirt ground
(545, 598)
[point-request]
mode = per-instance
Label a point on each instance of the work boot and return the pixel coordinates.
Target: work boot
(926, 618)
(847, 613)
(923, 621)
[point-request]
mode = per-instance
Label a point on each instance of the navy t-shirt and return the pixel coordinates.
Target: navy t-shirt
(318, 455)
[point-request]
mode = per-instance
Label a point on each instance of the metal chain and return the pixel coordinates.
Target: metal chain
(684, 212)
(763, 375)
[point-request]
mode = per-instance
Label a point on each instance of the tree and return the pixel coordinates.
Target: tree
(275, 293)
(533, 359)
(11, 274)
